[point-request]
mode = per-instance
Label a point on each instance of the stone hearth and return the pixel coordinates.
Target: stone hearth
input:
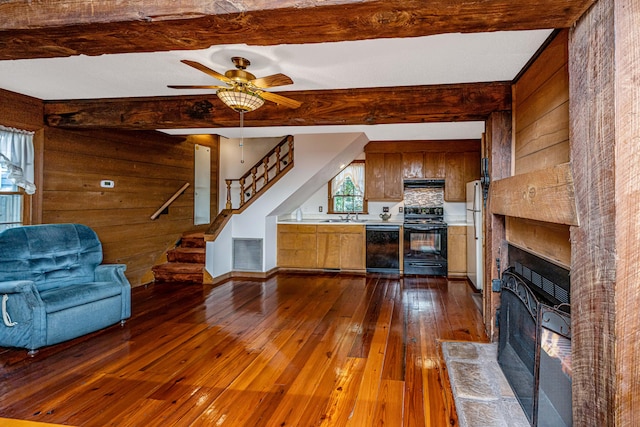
(482, 394)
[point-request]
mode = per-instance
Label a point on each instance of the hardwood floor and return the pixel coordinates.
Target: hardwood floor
(293, 350)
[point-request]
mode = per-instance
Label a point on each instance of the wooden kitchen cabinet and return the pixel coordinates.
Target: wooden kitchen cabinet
(297, 246)
(341, 247)
(383, 176)
(423, 165)
(434, 165)
(461, 168)
(457, 251)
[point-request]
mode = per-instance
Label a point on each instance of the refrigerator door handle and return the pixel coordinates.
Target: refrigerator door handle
(475, 227)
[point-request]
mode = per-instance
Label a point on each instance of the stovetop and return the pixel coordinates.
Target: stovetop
(421, 215)
(423, 211)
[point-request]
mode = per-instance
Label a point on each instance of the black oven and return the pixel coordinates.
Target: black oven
(425, 249)
(425, 241)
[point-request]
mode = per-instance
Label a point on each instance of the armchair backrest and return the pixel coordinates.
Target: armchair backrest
(51, 255)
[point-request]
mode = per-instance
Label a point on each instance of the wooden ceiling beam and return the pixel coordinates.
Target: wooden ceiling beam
(370, 106)
(89, 27)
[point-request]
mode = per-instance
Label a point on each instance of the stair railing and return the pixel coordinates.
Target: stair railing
(259, 177)
(165, 206)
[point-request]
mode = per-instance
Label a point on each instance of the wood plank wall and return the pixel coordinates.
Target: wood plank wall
(147, 169)
(541, 140)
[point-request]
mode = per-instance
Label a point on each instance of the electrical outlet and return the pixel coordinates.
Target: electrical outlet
(400, 209)
(320, 208)
(385, 209)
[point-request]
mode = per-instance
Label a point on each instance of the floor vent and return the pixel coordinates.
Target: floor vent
(247, 254)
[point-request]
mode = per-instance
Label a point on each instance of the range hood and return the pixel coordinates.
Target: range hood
(424, 183)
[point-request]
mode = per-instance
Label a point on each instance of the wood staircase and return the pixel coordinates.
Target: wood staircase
(185, 263)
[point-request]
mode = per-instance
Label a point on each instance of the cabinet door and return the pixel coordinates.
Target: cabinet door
(374, 176)
(434, 165)
(472, 166)
(352, 249)
(328, 245)
(457, 250)
(455, 184)
(297, 246)
(413, 165)
(393, 176)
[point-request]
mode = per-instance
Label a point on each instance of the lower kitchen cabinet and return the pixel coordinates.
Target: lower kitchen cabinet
(297, 246)
(341, 247)
(457, 251)
(321, 246)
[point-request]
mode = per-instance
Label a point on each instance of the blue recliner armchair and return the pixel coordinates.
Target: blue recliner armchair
(54, 288)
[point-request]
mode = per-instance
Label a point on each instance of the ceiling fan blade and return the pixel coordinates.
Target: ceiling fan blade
(206, 70)
(197, 87)
(272, 81)
(280, 100)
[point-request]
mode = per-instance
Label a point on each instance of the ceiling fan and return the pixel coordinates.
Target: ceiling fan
(244, 92)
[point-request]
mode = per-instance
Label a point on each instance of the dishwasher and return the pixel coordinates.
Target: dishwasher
(383, 248)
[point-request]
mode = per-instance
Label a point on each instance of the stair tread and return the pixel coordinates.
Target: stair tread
(179, 267)
(189, 250)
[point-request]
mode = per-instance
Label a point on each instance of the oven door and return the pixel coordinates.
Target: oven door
(425, 249)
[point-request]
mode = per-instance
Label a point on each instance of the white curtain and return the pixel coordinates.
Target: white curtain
(16, 154)
(355, 171)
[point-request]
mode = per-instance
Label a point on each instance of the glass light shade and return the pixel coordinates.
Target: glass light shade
(240, 100)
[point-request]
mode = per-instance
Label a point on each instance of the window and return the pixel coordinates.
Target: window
(11, 201)
(346, 190)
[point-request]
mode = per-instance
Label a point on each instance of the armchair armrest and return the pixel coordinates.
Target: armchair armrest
(115, 273)
(16, 286)
(111, 273)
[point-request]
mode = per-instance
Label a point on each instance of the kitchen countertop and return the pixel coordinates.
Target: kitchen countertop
(317, 221)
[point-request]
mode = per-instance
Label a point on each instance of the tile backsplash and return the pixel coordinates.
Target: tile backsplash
(424, 196)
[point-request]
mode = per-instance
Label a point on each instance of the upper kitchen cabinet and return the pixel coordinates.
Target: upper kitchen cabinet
(423, 165)
(383, 176)
(390, 162)
(460, 168)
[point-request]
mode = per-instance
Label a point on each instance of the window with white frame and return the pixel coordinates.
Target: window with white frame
(16, 174)
(11, 201)
(346, 190)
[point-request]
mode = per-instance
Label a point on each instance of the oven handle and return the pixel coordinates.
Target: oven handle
(425, 264)
(424, 228)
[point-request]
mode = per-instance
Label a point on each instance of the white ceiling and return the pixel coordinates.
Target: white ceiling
(440, 59)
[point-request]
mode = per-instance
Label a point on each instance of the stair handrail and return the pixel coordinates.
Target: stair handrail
(252, 177)
(171, 200)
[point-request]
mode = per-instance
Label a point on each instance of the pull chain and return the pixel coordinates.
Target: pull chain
(241, 137)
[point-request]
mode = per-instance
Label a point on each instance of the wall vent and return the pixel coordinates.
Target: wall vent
(247, 254)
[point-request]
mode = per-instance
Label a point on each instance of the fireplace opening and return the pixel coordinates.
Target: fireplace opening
(534, 347)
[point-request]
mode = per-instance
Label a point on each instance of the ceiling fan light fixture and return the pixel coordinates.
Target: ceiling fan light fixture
(240, 99)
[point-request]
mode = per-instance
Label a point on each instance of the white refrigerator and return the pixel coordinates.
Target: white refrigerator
(474, 233)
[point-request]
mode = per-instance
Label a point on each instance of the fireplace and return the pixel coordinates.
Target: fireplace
(534, 348)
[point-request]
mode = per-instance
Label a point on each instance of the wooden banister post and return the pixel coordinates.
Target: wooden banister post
(290, 150)
(277, 160)
(241, 192)
(228, 205)
(254, 171)
(265, 162)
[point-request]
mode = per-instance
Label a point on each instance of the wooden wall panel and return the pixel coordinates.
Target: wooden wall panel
(541, 143)
(545, 239)
(147, 169)
(20, 111)
(541, 110)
